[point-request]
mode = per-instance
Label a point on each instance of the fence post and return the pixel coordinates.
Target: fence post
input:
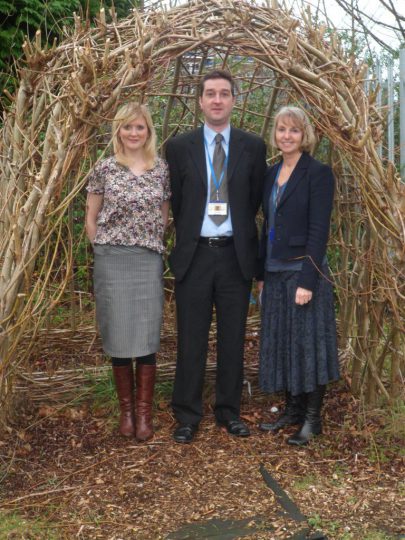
(390, 115)
(379, 100)
(367, 81)
(402, 110)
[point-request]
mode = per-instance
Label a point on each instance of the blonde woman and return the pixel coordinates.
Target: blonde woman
(126, 215)
(298, 350)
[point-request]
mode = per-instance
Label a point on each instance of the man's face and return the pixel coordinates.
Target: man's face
(217, 102)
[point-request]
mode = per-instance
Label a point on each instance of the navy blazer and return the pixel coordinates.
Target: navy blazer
(302, 218)
(185, 155)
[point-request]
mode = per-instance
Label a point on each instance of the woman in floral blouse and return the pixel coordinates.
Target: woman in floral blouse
(126, 215)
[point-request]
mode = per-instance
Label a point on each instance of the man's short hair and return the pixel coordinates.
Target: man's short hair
(218, 74)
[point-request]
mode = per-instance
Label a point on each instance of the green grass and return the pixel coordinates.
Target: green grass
(337, 530)
(305, 482)
(370, 535)
(163, 391)
(315, 521)
(379, 535)
(102, 393)
(378, 454)
(394, 421)
(391, 437)
(331, 528)
(340, 475)
(16, 527)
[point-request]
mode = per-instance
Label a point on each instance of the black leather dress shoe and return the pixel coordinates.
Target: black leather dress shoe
(235, 427)
(184, 433)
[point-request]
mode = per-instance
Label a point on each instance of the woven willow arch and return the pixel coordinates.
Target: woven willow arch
(67, 92)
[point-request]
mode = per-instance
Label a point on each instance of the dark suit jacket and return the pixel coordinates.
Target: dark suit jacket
(302, 217)
(188, 175)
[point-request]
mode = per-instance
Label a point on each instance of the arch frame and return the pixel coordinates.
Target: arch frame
(49, 136)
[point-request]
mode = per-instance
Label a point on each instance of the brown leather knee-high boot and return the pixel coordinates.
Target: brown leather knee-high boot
(124, 383)
(145, 384)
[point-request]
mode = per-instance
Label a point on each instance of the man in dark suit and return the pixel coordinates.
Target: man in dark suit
(216, 176)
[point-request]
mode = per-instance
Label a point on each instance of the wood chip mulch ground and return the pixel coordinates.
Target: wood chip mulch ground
(71, 469)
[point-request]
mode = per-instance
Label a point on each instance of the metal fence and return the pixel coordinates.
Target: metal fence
(389, 84)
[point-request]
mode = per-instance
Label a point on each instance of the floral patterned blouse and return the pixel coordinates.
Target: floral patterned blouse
(131, 214)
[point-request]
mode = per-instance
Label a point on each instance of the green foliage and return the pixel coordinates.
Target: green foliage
(332, 527)
(22, 18)
(315, 521)
(82, 252)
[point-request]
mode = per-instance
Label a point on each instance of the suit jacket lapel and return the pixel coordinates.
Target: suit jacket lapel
(236, 147)
(298, 172)
(197, 151)
(268, 186)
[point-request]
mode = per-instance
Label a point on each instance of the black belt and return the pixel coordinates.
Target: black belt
(216, 241)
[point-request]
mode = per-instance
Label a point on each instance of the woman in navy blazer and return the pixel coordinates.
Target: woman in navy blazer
(298, 348)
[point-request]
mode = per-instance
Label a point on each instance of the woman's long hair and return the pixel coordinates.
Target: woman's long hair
(126, 114)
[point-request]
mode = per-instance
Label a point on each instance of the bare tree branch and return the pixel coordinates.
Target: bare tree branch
(399, 18)
(359, 16)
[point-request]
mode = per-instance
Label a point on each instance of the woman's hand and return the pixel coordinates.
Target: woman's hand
(93, 207)
(260, 291)
(302, 296)
(165, 213)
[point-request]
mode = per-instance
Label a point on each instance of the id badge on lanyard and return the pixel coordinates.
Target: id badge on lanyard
(217, 208)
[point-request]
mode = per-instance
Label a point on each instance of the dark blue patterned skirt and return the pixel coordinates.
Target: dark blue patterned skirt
(298, 345)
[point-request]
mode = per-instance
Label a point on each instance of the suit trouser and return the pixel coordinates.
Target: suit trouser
(213, 279)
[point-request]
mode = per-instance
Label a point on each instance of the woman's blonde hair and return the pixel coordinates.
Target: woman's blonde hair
(126, 114)
(300, 119)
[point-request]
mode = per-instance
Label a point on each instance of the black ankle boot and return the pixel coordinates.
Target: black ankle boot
(312, 425)
(293, 414)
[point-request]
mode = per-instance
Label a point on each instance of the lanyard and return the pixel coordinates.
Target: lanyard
(277, 191)
(217, 183)
(275, 196)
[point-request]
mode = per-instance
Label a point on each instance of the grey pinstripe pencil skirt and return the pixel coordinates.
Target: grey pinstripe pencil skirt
(128, 287)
